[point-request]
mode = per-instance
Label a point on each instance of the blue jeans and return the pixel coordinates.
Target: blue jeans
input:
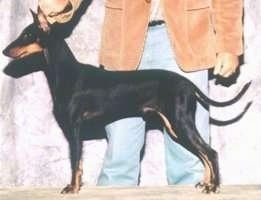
(126, 136)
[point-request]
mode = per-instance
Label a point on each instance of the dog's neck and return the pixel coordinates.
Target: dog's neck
(61, 66)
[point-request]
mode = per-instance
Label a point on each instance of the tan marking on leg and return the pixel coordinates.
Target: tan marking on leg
(209, 171)
(75, 185)
(77, 178)
(209, 185)
(168, 125)
(211, 174)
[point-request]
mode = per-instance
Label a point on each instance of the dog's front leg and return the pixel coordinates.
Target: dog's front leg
(75, 145)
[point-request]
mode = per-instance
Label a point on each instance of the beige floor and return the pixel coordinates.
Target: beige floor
(134, 193)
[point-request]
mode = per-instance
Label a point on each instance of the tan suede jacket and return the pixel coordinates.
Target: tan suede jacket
(198, 30)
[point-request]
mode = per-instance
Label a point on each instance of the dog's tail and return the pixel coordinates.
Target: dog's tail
(207, 101)
(230, 121)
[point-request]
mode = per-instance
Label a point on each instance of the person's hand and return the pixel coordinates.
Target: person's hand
(226, 64)
(52, 8)
(54, 5)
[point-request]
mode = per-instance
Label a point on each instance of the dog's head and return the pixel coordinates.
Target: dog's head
(28, 49)
(32, 39)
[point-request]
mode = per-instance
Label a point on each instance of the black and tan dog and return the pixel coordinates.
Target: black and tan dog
(84, 95)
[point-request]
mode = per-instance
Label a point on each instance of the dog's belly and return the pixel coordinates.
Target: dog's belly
(105, 109)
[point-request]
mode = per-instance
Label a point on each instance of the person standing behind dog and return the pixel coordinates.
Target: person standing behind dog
(184, 36)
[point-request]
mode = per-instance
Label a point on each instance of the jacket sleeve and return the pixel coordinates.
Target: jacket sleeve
(227, 19)
(54, 16)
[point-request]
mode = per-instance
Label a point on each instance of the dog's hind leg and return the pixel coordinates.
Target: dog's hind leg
(75, 145)
(186, 134)
(151, 113)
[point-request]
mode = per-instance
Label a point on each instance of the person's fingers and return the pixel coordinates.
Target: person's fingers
(227, 70)
(226, 64)
(218, 66)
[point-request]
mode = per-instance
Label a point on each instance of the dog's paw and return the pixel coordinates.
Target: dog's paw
(208, 187)
(70, 189)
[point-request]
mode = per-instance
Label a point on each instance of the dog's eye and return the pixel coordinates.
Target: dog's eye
(27, 36)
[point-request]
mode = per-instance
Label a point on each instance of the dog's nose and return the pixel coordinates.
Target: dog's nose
(5, 52)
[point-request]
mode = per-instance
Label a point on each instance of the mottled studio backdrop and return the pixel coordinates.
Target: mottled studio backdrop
(33, 151)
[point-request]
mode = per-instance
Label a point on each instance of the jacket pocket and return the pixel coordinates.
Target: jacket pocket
(115, 4)
(197, 4)
(200, 30)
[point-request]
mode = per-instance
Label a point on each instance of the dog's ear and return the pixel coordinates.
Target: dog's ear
(42, 20)
(34, 15)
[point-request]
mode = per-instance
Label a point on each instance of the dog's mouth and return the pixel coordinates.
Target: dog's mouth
(14, 53)
(21, 52)
(21, 55)
(29, 63)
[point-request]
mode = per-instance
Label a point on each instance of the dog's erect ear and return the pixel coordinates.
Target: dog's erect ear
(42, 20)
(34, 15)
